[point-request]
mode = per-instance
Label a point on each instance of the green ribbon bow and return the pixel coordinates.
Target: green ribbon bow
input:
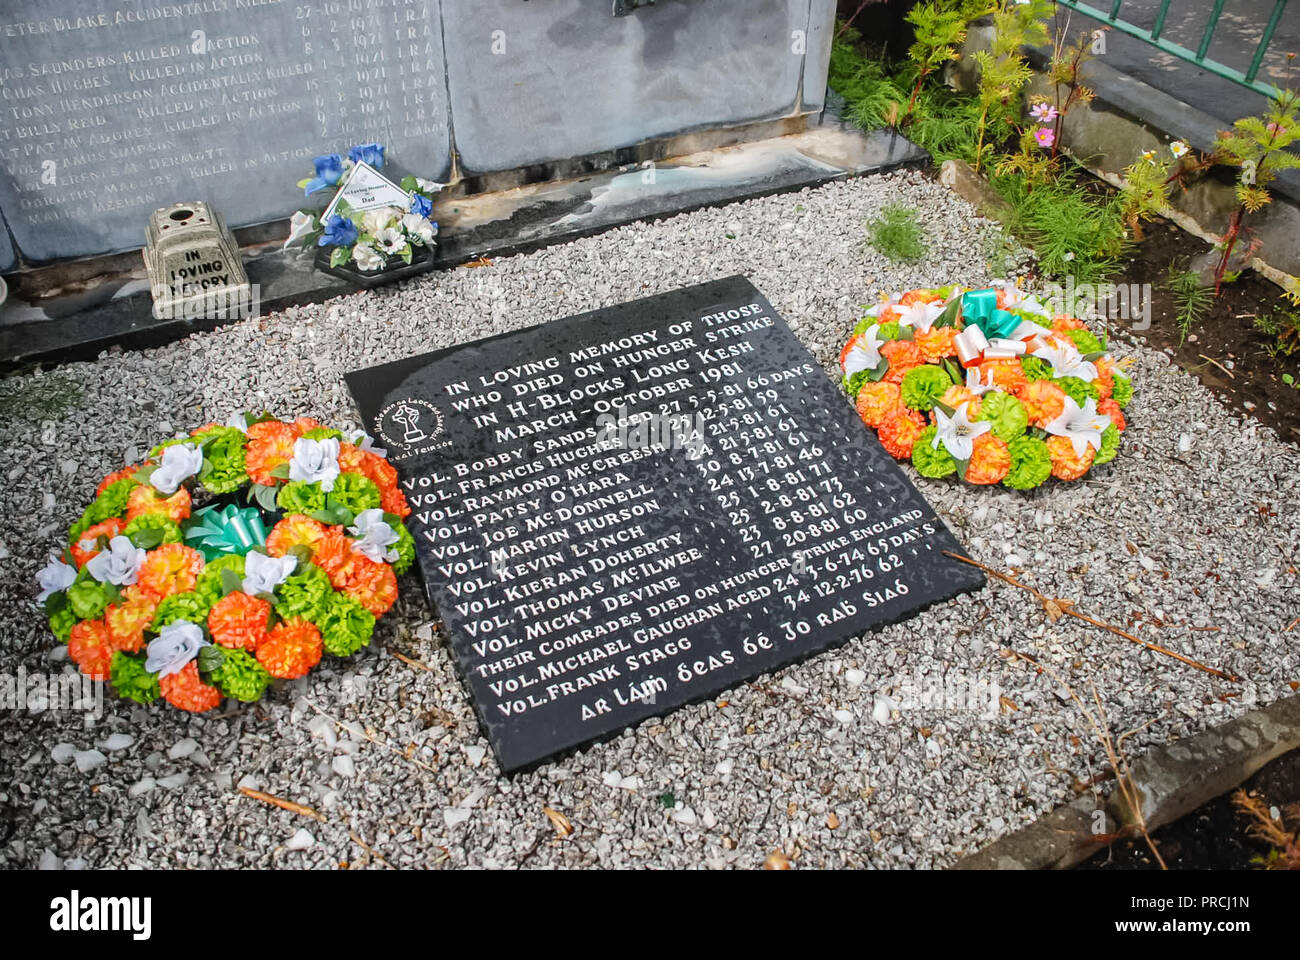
(980, 307)
(219, 531)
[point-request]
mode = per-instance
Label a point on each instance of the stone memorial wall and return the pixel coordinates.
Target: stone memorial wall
(625, 511)
(112, 108)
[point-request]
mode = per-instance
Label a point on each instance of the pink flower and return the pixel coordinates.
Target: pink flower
(1043, 112)
(1045, 137)
(1276, 130)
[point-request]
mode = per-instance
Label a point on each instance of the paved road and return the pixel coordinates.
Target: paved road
(1239, 30)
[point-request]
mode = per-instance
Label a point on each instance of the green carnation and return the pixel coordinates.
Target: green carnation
(1031, 463)
(322, 433)
(1109, 446)
(930, 461)
(132, 680)
(405, 545)
(299, 496)
(1006, 413)
(156, 452)
(62, 621)
(864, 325)
(854, 383)
(1122, 392)
(923, 385)
(1085, 341)
(89, 597)
(224, 449)
(1036, 368)
(165, 525)
(209, 585)
(345, 625)
(356, 492)
(240, 676)
(191, 606)
(1078, 389)
(303, 594)
(890, 330)
(110, 503)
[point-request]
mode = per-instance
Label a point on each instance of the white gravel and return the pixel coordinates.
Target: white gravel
(852, 758)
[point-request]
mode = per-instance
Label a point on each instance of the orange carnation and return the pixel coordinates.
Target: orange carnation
(1063, 323)
(334, 554)
(110, 528)
(899, 430)
(145, 499)
(1008, 374)
(373, 585)
(1111, 409)
(296, 529)
(902, 355)
(1044, 401)
(937, 343)
(876, 400)
(238, 620)
(1066, 465)
(1105, 382)
(919, 296)
(171, 568)
(392, 500)
(956, 395)
(126, 621)
(303, 424)
(90, 649)
(291, 649)
(270, 444)
(374, 468)
(113, 477)
(186, 690)
(990, 460)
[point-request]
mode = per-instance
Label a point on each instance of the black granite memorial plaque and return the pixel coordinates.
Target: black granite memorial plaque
(623, 511)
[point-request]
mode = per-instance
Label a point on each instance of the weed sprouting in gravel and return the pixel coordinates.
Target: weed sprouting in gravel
(897, 234)
(38, 398)
(1282, 326)
(1192, 301)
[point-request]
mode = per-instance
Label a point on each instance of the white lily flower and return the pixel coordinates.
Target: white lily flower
(957, 433)
(863, 352)
(55, 577)
(920, 316)
(364, 441)
(977, 386)
(366, 257)
(418, 228)
(375, 536)
(391, 240)
(315, 461)
(262, 573)
(176, 645)
(881, 306)
(1066, 360)
(300, 224)
(119, 564)
(1083, 425)
(179, 462)
(237, 421)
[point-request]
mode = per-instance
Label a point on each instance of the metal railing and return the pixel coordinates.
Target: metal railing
(1199, 56)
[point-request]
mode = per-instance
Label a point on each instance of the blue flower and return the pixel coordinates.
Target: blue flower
(421, 204)
(368, 153)
(329, 168)
(339, 232)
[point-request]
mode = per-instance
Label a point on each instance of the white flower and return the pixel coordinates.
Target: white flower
(179, 462)
(315, 461)
(419, 228)
(920, 315)
(366, 257)
(391, 240)
(883, 305)
(118, 564)
(428, 186)
(364, 441)
(262, 573)
(1178, 149)
(375, 222)
(1067, 361)
(863, 352)
(957, 433)
(1083, 425)
(176, 645)
(376, 536)
(56, 576)
(977, 386)
(238, 421)
(300, 224)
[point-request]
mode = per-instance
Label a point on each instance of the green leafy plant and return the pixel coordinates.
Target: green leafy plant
(1282, 327)
(1004, 71)
(1145, 194)
(897, 234)
(1071, 231)
(1192, 300)
(939, 27)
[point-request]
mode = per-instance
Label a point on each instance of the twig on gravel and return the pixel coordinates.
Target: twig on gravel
(1057, 607)
(282, 803)
(356, 838)
(371, 737)
(419, 665)
(1290, 625)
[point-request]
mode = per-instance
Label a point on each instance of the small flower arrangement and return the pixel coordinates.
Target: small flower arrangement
(230, 558)
(984, 385)
(371, 239)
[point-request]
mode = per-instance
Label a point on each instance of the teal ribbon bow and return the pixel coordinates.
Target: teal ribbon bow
(980, 307)
(219, 531)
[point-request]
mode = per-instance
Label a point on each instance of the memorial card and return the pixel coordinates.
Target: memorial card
(635, 508)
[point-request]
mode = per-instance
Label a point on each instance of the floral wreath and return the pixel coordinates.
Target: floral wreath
(986, 385)
(172, 586)
(368, 238)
